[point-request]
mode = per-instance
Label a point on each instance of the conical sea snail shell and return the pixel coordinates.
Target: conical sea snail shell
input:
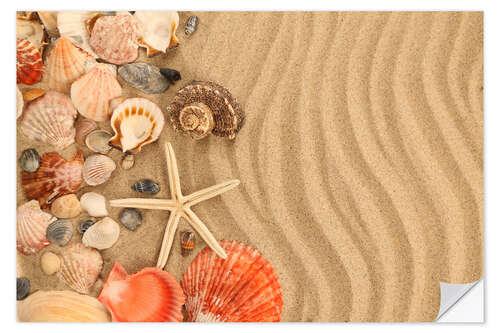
(31, 225)
(28, 62)
(74, 26)
(97, 169)
(202, 107)
(66, 207)
(157, 30)
(94, 204)
(80, 267)
(102, 235)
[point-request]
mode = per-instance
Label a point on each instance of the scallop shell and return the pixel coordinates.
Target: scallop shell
(144, 77)
(114, 38)
(150, 295)
(83, 127)
(84, 225)
(92, 92)
(55, 177)
(131, 218)
(60, 232)
(242, 288)
(61, 306)
(29, 160)
(94, 204)
(136, 122)
(157, 30)
(146, 186)
(74, 26)
(97, 141)
(31, 225)
(102, 235)
(50, 263)
(23, 288)
(80, 267)
(66, 207)
(128, 161)
(187, 243)
(29, 62)
(97, 169)
(19, 103)
(194, 105)
(49, 21)
(30, 29)
(65, 64)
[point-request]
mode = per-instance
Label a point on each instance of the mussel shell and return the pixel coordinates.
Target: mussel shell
(84, 225)
(29, 160)
(60, 232)
(146, 186)
(131, 218)
(97, 141)
(170, 74)
(23, 288)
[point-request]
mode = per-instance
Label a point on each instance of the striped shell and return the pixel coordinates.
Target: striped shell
(19, 102)
(31, 225)
(187, 243)
(94, 204)
(66, 207)
(242, 288)
(157, 30)
(97, 169)
(60, 232)
(102, 235)
(83, 127)
(29, 62)
(73, 25)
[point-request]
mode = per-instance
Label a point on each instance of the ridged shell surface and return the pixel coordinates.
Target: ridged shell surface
(73, 25)
(66, 207)
(97, 169)
(83, 127)
(32, 223)
(102, 235)
(94, 204)
(157, 30)
(60, 232)
(80, 267)
(28, 62)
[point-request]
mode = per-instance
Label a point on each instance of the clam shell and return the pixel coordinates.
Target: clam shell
(50, 263)
(30, 29)
(50, 119)
(157, 30)
(19, 103)
(144, 77)
(242, 288)
(29, 62)
(128, 161)
(136, 123)
(60, 232)
(66, 207)
(49, 21)
(29, 160)
(23, 288)
(97, 169)
(92, 92)
(187, 243)
(146, 186)
(80, 267)
(94, 204)
(31, 225)
(131, 218)
(102, 235)
(74, 26)
(97, 141)
(84, 225)
(61, 306)
(83, 127)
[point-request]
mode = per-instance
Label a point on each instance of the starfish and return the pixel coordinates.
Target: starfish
(179, 206)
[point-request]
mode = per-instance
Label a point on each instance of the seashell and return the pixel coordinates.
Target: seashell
(61, 306)
(201, 108)
(66, 207)
(128, 161)
(94, 204)
(33, 94)
(31, 30)
(92, 92)
(191, 25)
(60, 232)
(65, 64)
(131, 218)
(49, 21)
(31, 225)
(146, 186)
(150, 295)
(50, 263)
(19, 102)
(83, 226)
(23, 288)
(97, 169)
(157, 30)
(136, 123)
(83, 127)
(114, 39)
(115, 102)
(144, 77)
(170, 74)
(97, 141)
(55, 177)
(75, 26)
(80, 267)
(29, 62)
(102, 235)
(242, 288)
(29, 160)
(187, 243)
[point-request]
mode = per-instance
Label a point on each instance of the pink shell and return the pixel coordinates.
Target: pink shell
(97, 169)
(29, 62)
(80, 267)
(84, 127)
(32, 223)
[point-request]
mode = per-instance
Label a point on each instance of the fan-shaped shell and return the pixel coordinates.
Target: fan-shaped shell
(94, 204)
(150, 295)
(92, 92)
(83, 127)
(60, 232)
(55, 177)
(29, 62)
(30, 29)
(61, 306)
(157, 30)
(97, 169)
(19, 102)
(74, 26)
(242, 288)
(66, 207)
(136, 122)
(80, 267)
(31, 225)
(102, 235)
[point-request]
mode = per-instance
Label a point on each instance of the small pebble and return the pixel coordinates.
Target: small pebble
(131, 218)
(23, 288)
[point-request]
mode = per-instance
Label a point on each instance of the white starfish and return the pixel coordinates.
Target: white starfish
(179, 206)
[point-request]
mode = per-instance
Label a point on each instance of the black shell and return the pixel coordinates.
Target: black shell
(131, 218)
(23, 288)
(170, 74)
(29, 160)
(84, 225)
(146, 186)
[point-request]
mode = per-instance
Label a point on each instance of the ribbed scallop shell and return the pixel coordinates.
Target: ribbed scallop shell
(157, 30)
(242, 288)
(19, 102)
(92, 92)
(65, 64)
(73, 25)
(102, 235)
(97, 169)
(50, 119)
(32, 223)
(28, 62)
(80, 267)
(136, 122)
(66, 207)
(83, 127)
(61, 306)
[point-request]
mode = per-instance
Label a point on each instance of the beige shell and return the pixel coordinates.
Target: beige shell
(61, 306)
(66, 207)
(19, 102)
(102, 235)
(157, 30)
(94, 204)
(74, 25)
(83, 127)
(97, 169)
(97, 141)
(128, 161)
(49, 21)
(30, 29)
(50, 263)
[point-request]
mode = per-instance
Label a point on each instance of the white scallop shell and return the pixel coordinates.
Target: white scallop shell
(97, 169)
(102, 235)
(94, 204)
(31, 225)
(19, 103)
(157, 30)
(73, 25)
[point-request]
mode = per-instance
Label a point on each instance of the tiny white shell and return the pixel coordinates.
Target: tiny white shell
(94, 204)
(102, 235)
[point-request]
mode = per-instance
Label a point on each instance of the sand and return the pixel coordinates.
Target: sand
(360, 159)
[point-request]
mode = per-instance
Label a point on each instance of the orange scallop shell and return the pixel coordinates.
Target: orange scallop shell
(29, 62)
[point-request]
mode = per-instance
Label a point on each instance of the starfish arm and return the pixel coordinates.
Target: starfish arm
(201, 229)
(145, 203)
(168, 238)
(173, 173)
(210, 192)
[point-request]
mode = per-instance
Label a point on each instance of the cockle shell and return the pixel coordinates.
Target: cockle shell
(74, 26)
(157, 30)
(150, 295)
(80, 267)
(50, 263)
(29, 160)
(55, 177)
(49, 21)
(30, 29)
(187, 243)
(31, 225)
(146, 186)
(194, 105)
(102, 235)
(61, 306)
(242, 288)
(23, 288)
(131, 218)
(94, 204)
(191, 25)
(19, 103)
(97, 169)
(92, 92)
(136, 122)
(29, 62)
(97, 141)
(144, 77)
(83, 127)
(66, 207)
(60, 232)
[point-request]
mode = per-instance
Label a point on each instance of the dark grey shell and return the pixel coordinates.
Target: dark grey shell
(146, 186)
(23, 288)
(144, 77)
(84, 225)
(60, 232)
(170, 74)
(191, 25)
(131, 218)
(29, 160)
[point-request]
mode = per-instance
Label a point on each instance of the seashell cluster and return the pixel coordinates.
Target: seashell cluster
(144, 77)
(74, 26)
(23, 288)
(83, 127)
(131, 218)
(187, 243)
(66, 207)
(19, 103)
(191, 25)
(98, 141)
(60, 232)
(128, 161)
(50, 263)
(157, 30)
(94, 204)
(80, 267)
(31, 225)
(146, 186)
(29, 160)
(102, 235)
(97, 169)
(28, 62)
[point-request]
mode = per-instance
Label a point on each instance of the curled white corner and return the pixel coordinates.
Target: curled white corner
(451, 294)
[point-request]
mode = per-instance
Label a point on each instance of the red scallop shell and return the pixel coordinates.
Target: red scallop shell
(150, 295)
(242, 288)
(29, 62)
